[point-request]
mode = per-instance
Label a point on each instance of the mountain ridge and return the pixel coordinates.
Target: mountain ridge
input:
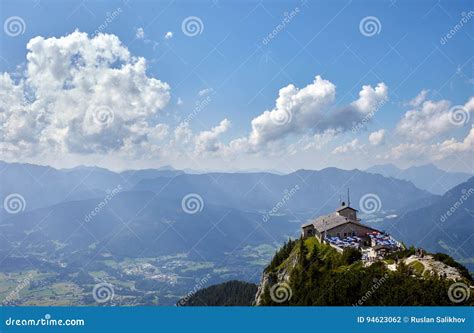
(427, 177)
(454, 231)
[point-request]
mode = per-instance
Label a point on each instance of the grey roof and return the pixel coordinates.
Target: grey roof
(329, 221)
(344, 207)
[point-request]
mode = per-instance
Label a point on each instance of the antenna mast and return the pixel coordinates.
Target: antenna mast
(348, 198)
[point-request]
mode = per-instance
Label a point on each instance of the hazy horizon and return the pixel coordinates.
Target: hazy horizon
(231, 170)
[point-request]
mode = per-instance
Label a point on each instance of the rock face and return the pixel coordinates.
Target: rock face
(433, 266)
(282, 276)
(261, 288)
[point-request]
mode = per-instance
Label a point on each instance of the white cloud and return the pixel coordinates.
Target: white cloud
(307, 142)
(205, 92)
(168, 35)
(182, 133)
(437, 151)
(320, 140)
(179, 101)
(139, 33)
(159, 132)
(420, 98)
(89, 96)
(370, 98)
(86, 95)
(206, 141)
(469, 106)
(302, 107)
(406, 150)
(452, 146)
(309, 108)
(429, 120)
(348, 147)
(376, 138)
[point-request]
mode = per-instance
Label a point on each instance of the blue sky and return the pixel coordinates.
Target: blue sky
(229, 62)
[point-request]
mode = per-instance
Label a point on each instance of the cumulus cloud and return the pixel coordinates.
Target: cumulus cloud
(429, 120)
(420, 98)
(320, 140)
(182, 133)
(376, 138)
(206, 141)
(348, 147)
(469, 106)
(168, 35)
(452, 146)
(407, 150)
(437, 151)
(311, 142)
(309, 108)
(80, 94)
(370, 98)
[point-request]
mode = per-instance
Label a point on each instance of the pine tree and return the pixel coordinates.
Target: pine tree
(303, 253)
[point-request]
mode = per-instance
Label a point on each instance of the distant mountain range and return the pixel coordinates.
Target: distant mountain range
(146, 215)
(137, 224)
(426, 177)
(42, 186)
(260, 208)
(312, 192)
(447, 225)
